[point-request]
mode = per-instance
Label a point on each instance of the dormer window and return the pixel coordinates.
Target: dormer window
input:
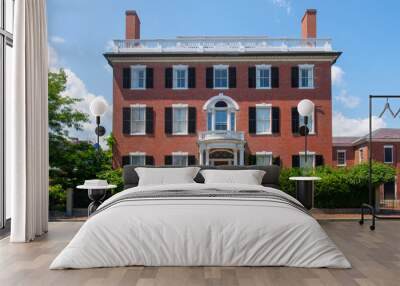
(221, 76)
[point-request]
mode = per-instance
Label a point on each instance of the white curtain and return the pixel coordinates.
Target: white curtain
(27, 152)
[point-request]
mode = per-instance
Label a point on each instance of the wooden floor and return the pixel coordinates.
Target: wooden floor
(375, 257)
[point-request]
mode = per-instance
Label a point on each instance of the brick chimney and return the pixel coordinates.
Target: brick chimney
(309, 24)
(132, 28)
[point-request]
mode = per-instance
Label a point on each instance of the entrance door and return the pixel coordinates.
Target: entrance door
(389, 191)
(221, 162)
(220, 157)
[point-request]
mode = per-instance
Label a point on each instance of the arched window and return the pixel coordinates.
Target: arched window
(221, 111)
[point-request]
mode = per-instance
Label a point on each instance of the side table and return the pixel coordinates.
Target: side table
(96, 192)
(305, 190)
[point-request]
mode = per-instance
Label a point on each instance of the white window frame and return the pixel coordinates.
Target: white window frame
(312, 129)
(309, 153)
(265, 106)
(137, 106)
(175, 70)
(264, 153)
(344, 156)
(180, 106)
(137, 154)
(384, 156)
(180, 154)
(221, 67)
(138, 68)
(306, 66)
(258, 81)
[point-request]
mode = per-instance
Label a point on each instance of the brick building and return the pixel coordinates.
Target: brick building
(349, 151)
(220, 100)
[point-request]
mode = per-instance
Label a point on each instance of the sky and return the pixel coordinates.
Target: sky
(366, 31)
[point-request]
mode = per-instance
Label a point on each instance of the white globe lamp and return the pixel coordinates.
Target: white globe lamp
(305, 107)
(98, 107)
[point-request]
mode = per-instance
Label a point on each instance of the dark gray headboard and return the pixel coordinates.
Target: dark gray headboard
(270, 179)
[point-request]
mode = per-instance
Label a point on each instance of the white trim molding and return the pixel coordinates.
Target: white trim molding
(138, 68)
(221, 97)
(345, 157)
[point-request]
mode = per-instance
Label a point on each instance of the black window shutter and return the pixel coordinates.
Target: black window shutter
(276, 161)
(126, 120)
(192, 120)
(149, 160)
(319, 160)
(295, 76)
(209, 77)
(274, 77)
(191, 160)
(252, 77)
(295, 161)
(149, 78)
(232, 77)
(192, 78)
(252, 120)
(168, 120)
(126, 160)
(295, 121)
(168, 78)
(275, 119)
(149, 120)
(126, 78)
(252, 159)
(168, 160)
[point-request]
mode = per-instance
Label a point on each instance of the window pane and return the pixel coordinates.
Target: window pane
(138, 120)
(221, 78)
(179, 160)
(388, 155)
(307, 164)
(232, 121)
(180, 78)
(263, 120)
(310, 123)
(209, 121)
(341, 158)
(264, 160)
(180, 120)
(221, 122)
(263, 77)
(138, 78)
(138, 160)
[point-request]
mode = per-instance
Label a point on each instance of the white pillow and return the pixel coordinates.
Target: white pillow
(248, 177)
(166, 176)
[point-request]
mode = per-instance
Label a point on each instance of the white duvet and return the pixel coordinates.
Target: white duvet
(200, 231)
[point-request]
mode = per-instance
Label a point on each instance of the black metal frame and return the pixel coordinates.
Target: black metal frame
(371, 193)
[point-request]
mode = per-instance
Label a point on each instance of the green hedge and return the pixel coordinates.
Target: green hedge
(340, 187)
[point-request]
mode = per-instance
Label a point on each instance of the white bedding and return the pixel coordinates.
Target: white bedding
(202, 231)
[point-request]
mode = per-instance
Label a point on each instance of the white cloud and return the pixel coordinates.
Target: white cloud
(285, 4)
(347, 100)
(76, 88)
(57, 40)
(337, 74)
(346, 126)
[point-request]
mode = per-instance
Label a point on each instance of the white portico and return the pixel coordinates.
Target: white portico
(221, 144)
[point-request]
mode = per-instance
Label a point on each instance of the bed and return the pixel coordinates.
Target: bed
(201, 224)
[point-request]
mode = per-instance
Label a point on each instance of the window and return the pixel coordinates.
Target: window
(220, 117)
(138, 119)
(388, 154)
(341, 157)
(180, 77)
(6, 64)
(180, 119)
(138, 77)
(264, 158)
(137, 159)
(306, 76)
(221, 76)
(361, 155)
(310, 163)
(263, 76)
(310, 123)
(263, 118)
(179, 159)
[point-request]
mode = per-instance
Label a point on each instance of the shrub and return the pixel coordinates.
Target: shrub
(57, 198)
(113, 177)
(340, 187)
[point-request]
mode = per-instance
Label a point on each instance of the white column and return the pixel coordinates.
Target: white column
(207, 157)
(201, 159)
(235, 161)
(241, 156)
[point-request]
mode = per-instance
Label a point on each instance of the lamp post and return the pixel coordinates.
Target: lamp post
(305, 109)
(98, 107)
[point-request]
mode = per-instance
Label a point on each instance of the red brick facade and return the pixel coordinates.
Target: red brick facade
(284, 144)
